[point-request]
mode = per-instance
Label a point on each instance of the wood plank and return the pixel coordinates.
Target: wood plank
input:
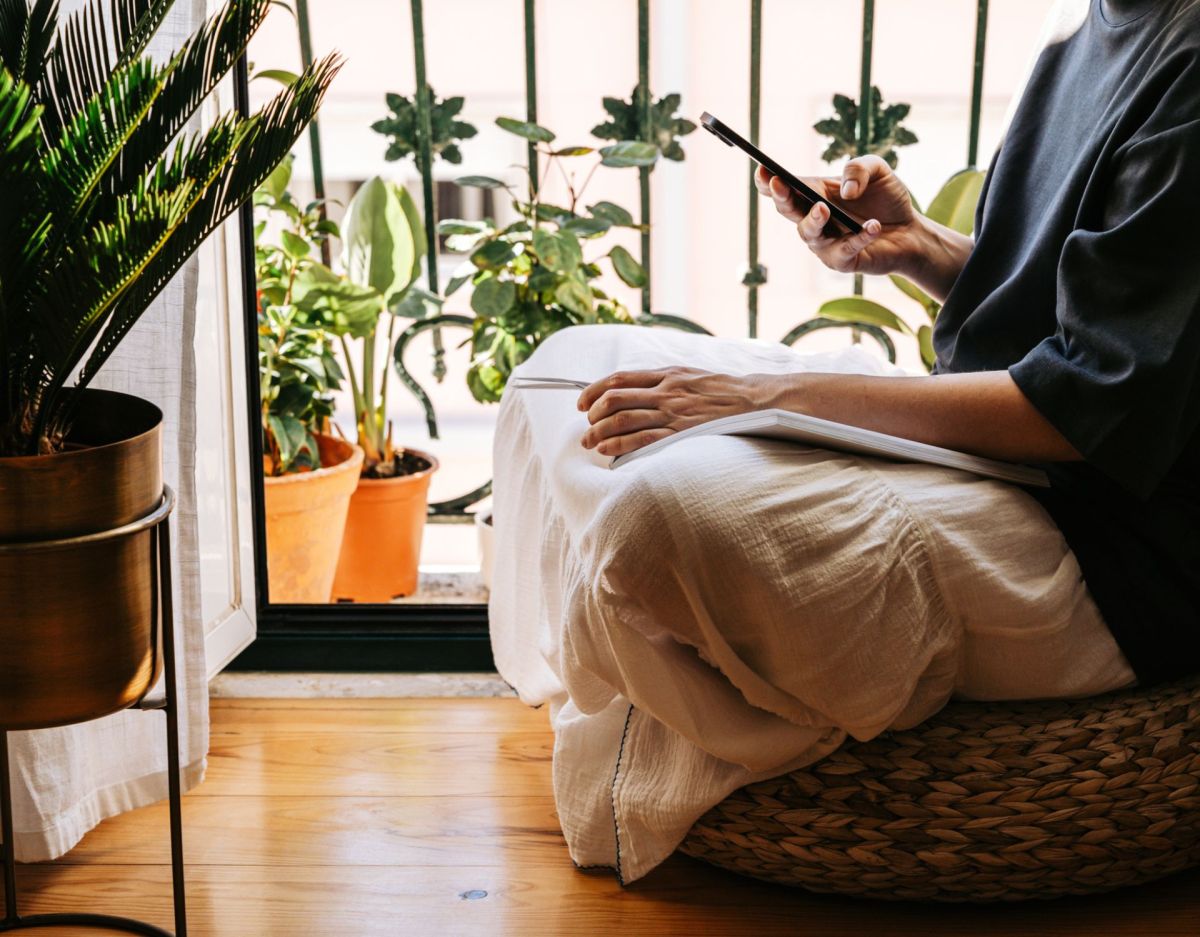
(234, 716)
(378, 764)
(293, 831)
(681, 898)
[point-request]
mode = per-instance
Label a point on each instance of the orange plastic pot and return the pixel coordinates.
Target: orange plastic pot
(306, 517)
(382, 546)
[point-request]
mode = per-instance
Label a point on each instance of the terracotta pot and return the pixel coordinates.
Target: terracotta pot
(76, 621)
(306, 516)
(382, 547)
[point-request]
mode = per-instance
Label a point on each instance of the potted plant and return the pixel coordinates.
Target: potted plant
(382, 246)
(531, 277)
(310, 475)
(102, 206)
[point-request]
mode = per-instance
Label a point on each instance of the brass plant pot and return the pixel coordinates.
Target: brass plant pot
(76, 635)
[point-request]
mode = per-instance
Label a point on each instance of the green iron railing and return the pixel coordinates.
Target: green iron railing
(455, 510)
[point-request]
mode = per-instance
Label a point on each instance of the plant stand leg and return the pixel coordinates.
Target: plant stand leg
(175, 794)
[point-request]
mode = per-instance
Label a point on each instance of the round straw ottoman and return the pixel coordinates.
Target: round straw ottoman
(982, 802)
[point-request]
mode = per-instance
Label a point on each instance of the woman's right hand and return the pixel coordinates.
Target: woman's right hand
(893, 239)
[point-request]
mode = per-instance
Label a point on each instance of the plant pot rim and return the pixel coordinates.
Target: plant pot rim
(152, 412)
(352, 462)
(429, 457)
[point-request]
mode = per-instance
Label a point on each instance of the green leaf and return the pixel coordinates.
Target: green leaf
(379, 246)
(573, 295)
(492, 254)
(291, 436)
(281, 75)
(925, 339)
(612, 213)
(558, 252)
(494, 297)
(531, 132)
(574, 151)
(912, 291)
(627, 268)
(954, 206)
(455, 226)
(480, 182)
(542, 279)
(586, 227)
(865, 311)
(629, 153)
(295, 246)
(277, 181)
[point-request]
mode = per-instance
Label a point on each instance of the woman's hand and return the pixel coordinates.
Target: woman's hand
(895, 237)
(631, 409)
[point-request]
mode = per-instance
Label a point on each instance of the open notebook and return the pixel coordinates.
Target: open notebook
(796, 427)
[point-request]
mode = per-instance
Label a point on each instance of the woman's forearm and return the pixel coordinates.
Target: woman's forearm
(985, 413)
(939, 259)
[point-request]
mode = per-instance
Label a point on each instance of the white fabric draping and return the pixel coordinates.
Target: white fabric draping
(66, 780)
(729, 609)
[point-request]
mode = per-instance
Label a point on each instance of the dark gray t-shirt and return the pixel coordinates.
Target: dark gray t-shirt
(1085, 285)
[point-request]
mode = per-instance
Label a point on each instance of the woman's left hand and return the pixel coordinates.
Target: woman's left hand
(631, 409)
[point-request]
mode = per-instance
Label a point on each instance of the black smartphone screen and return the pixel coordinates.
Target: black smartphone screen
(839, 224)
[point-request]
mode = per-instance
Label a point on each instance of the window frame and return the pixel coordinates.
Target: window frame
(333, 637)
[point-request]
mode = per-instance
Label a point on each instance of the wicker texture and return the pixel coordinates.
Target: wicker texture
(983, 802)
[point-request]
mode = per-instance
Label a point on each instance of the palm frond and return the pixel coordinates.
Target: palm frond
(91, 280)
(92, 142)
(264, 140)
(26, 35)
(23, 221)
(93, 44)
(191, 76)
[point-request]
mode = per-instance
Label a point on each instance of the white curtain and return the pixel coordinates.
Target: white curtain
(66, 780)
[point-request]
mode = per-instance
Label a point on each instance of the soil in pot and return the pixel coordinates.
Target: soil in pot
(306, 518)
(382, 546)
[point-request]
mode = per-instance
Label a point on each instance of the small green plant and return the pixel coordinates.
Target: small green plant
(298, 371)
(665, 127)
(400, 127)
(532, 277)
(382, 245)
(953, 206)
(886, 131)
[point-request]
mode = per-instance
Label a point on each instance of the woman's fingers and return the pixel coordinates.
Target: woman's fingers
(842, 253)
(762, 181)
(812, 226)
(859, 173)
(785, 200)
(594, 391)
(622, 423)
(619, 445)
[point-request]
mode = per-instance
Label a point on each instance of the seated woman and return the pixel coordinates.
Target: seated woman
(730, 609)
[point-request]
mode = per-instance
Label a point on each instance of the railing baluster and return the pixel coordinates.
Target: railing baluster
(304, 29)
(864, 103)
(425, 165)
(981, 23)
(531, 89)
(644, 134)
(755, 85)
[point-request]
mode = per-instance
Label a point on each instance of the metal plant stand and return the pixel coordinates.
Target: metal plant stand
(158, 524)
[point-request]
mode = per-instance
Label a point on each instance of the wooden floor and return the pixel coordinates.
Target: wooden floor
(416, 817)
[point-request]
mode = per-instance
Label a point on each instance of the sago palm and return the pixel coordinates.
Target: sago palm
(103, 193)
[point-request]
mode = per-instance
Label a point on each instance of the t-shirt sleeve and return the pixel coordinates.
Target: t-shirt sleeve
(1120, 378)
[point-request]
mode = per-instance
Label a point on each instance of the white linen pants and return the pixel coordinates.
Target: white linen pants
(729, 609)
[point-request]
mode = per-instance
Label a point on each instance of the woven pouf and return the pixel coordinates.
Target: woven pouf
(983, 802)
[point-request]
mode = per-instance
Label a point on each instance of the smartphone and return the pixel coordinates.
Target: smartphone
(840, 223)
